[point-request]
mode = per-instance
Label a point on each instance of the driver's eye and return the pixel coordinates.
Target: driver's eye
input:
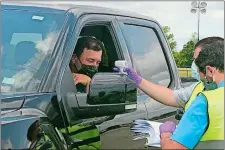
(90, 60)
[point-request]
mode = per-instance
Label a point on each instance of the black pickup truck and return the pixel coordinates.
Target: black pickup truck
(37, 85)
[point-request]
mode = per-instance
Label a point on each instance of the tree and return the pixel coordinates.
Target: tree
(172, 44)
(186, 54)
(178, 58)
(185, 57)
(170, 38)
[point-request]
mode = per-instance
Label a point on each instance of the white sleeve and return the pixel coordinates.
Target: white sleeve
(183, 95)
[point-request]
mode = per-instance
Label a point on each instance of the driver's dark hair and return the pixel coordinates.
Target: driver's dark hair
(89, 43)
(207, 40)
(212, 54)
(92, 43)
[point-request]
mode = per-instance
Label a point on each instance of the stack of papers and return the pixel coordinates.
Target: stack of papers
(144, 129)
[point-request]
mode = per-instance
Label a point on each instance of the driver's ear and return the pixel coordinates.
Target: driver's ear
(74, 58)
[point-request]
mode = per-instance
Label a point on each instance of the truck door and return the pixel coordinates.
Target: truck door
(104, 28)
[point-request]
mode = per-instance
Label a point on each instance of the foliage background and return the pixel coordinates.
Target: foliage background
(183, 57)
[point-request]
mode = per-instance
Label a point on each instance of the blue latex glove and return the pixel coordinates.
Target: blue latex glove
(168, 126)
(131, 74)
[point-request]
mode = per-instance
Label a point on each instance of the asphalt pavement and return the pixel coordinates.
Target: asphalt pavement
(121, 136)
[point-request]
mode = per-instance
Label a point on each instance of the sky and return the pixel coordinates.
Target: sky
(175, 14)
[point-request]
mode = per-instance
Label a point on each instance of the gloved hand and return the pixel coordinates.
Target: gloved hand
(168, 126)
(131, 74)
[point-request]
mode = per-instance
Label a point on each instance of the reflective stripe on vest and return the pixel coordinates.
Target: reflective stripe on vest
(88, 134)
(198, 88)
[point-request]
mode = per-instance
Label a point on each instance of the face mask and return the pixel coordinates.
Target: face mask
(210, 85)
(194, 70)
(88, 70)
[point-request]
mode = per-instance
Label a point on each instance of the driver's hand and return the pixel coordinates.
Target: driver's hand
(81, 78)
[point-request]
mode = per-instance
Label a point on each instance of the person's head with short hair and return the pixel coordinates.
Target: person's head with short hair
(87, 56)
(198, 47)
(202, 42)
(210, 61)
(89, 51)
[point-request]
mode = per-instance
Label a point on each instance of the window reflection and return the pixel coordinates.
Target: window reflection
(34, 132)
(147, 53)
(38, 138)
(14, 132)
(26, 48)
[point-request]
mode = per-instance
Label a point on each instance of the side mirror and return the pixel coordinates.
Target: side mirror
(109, 94)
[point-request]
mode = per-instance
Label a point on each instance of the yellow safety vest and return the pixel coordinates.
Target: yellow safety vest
(214, 135)
(89, 135)
(198, 88)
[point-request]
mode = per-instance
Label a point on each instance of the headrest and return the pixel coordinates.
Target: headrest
(24, 51)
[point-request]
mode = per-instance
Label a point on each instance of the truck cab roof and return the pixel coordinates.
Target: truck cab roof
(76, 9)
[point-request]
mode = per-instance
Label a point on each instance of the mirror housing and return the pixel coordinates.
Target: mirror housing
(109, 94)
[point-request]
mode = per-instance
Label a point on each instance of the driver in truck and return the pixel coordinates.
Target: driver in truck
(85, 61)
(84, 65)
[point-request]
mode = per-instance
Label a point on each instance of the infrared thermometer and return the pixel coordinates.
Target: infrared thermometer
(121, 64)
